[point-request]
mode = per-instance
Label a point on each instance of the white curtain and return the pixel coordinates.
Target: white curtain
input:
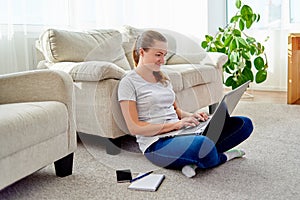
(8, 55)
(184, 16)
(22, 21)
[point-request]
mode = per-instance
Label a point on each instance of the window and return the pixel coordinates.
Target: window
(294, 13)
(274, 13)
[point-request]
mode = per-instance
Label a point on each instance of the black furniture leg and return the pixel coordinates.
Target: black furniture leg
(64, 166)
(212, 108)
(113, 146)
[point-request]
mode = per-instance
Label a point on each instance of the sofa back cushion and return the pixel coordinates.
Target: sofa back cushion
(96, 45)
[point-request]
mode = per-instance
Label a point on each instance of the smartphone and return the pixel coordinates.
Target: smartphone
(123, 175)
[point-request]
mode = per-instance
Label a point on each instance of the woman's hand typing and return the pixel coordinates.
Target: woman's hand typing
(187, 121)
(201, 116)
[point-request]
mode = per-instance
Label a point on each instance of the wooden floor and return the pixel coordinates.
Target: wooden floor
(278, 97)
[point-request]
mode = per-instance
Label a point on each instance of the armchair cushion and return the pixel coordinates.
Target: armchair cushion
(69, 46)
(90, 71)
(29, 123)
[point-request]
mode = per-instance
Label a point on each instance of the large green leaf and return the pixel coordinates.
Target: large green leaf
(204, 44)
(250, 40)
(246, 55)
(229, 81)
(248, 74)
(209, 38)
(219, 44)
(259, 63)
(242, 42)
(233, 45)
(249, 23)
(238, 4)
(237, 33)
(241, 24)
(234, 19)
(253, 50)
(246, 12)
(228, 40)
(261, 76)
(248, 64)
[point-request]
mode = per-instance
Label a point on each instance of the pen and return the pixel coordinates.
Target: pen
(141, 176)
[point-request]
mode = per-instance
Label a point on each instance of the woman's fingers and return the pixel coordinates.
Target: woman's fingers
(202, 116)
(191, 121)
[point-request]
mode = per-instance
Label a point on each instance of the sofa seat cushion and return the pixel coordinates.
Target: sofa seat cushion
(191, 75)
(25, 124)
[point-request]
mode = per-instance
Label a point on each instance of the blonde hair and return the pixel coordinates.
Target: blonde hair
(146, 41)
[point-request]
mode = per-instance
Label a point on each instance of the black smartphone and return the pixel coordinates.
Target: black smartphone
(123, 175)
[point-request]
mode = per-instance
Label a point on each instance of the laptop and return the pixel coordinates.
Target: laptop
(214, 125)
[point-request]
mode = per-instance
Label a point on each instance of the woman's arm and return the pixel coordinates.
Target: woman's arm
(137, 127)
(181, 114)
(201, 116)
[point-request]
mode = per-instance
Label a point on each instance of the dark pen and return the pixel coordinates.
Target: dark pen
(141, 176)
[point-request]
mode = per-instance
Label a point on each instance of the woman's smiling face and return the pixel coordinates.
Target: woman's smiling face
(154, 57)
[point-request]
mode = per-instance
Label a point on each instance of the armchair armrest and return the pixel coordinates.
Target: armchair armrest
(90, 70)
(40, 85)
(216, 59)
(36, 85)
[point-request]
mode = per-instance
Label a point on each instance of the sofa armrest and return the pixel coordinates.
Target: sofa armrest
(40, 85)
(195, 58)
(216, 59)
(90, 70)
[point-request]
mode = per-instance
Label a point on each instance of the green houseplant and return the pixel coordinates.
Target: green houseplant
(243, 51)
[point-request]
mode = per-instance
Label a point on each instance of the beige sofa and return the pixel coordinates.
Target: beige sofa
(37, 126)
(98, 59)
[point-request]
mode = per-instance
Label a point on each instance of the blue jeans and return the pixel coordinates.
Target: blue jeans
(178, 151)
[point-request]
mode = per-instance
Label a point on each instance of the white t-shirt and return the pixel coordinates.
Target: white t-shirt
(154, 103)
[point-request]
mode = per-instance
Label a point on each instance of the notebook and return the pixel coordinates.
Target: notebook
(147, 183)
(216, 121)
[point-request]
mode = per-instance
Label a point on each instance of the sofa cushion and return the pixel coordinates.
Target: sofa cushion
(25, 124)
(90, 70)
(175, 78)
(130, 35)
(192, 74)
(69, 46)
